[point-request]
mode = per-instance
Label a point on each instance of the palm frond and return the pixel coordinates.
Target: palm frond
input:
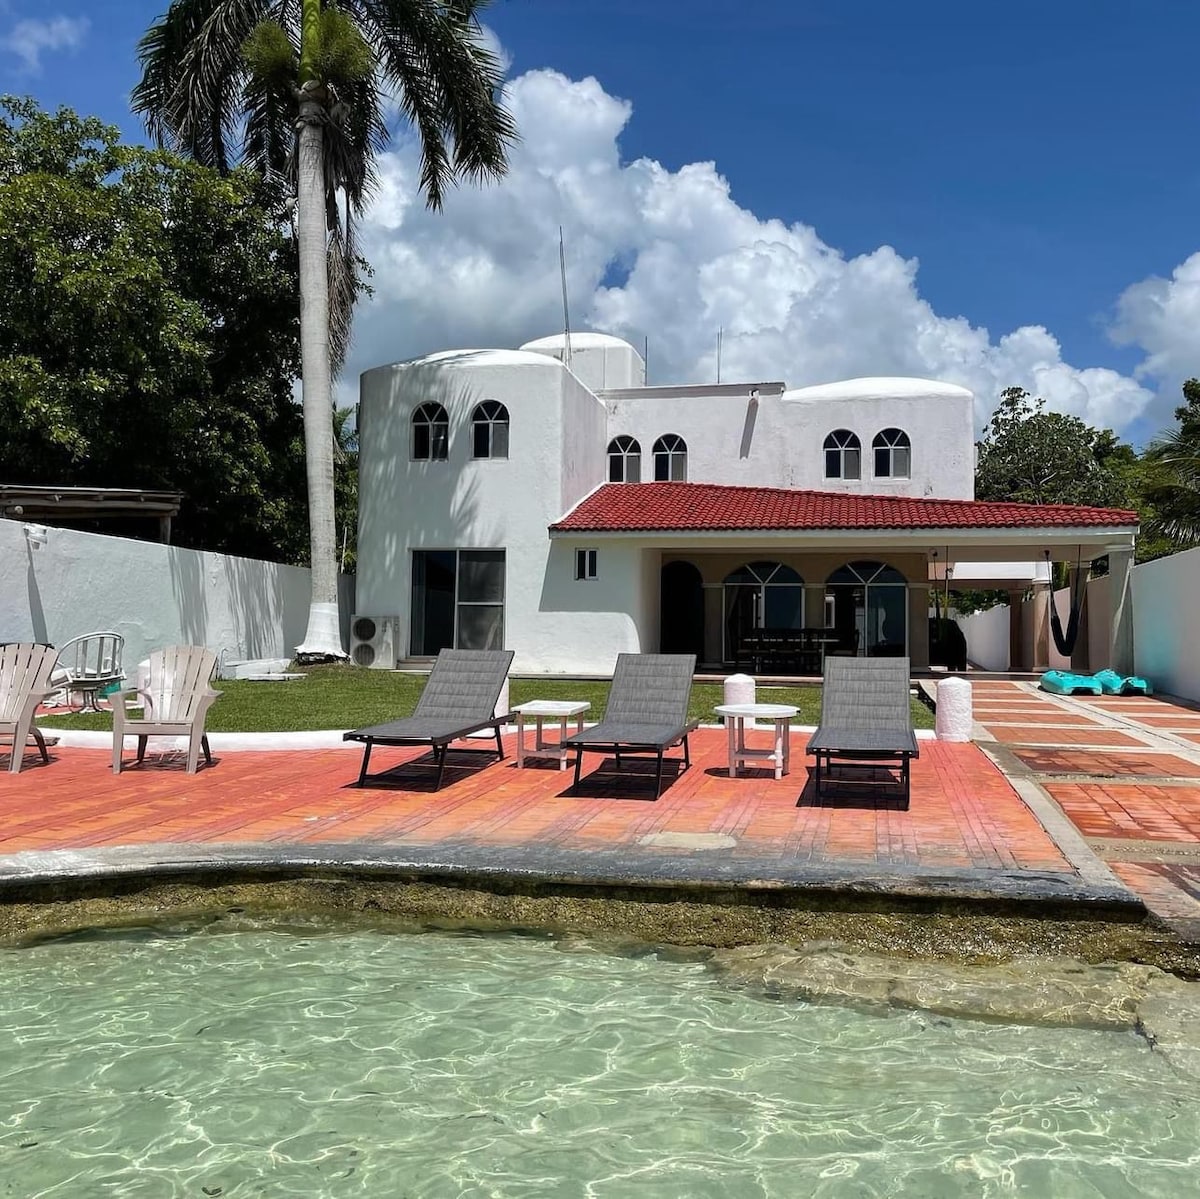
(193, 74)
(433, 56)
(344, 284)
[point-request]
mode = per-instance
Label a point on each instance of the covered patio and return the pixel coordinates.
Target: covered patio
(738, 569)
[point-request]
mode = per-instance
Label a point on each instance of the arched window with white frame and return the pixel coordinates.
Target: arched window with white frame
(843, 455)
(893, 454)
(670, 459)
(624, 460)
(489, 430)
(430, 433)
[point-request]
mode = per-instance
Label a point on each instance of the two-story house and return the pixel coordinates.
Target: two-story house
(547, 500)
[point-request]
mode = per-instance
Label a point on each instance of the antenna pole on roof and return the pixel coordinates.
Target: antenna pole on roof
(562, 270)
(646, 360)
(720, 331)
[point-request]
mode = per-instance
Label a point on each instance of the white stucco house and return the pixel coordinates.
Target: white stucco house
(548, 501)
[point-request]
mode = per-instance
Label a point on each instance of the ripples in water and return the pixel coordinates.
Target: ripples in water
(262, 1062)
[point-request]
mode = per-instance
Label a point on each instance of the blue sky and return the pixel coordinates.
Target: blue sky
(1035, 159)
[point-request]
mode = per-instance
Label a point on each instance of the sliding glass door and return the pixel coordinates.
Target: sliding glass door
(457, 601)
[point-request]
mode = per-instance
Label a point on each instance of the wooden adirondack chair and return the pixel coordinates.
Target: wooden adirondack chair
(177, 697)
(24, 683)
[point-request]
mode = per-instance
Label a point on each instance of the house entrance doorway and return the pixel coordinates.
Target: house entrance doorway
(681, 617)
(457, 601)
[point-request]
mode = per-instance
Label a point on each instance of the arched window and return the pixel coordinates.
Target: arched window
(868, 603)
(489, 430)
(760, 595)
(430, 433)
(843, 455)
(670, 459)
(624, 460)
(893, 454)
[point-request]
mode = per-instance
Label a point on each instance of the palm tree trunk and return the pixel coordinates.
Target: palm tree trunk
(322, 639)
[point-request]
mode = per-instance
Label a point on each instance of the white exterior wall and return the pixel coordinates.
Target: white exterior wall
(152, 594)
(579, 626)
(987, 635)
(1166, 623)
(598, 360)
(498, 503)
(772, 441)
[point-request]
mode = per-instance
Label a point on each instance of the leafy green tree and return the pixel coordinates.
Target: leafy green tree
(1032, 456)
(147, 333)
(299, 89)
(1170, 480)
(345, 482)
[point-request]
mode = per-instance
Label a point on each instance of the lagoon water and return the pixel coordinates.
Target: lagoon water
(356, 1062)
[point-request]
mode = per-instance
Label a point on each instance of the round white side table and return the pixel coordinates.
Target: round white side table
(736, 715)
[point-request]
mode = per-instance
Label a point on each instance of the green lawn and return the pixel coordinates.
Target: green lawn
(341, 697)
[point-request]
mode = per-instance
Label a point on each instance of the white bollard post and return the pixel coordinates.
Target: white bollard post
(502, 708)
(953, 719)
(740, 689)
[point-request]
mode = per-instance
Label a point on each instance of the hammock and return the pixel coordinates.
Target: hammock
(1065, 643)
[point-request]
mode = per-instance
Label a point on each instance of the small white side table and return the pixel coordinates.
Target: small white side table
(542, 710)
(736, 715)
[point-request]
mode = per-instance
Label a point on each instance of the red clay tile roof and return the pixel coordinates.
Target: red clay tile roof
(654, 507)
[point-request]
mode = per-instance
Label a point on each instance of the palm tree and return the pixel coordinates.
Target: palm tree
(299, 90)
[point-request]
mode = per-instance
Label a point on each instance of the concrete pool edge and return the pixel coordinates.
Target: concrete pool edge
(715, 879)
(953, 915)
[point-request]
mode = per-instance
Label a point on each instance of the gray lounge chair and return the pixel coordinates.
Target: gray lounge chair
(647, 711)
(459, 699)
(865, 717)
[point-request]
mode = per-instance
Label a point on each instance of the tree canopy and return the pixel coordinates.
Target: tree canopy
(1032, 456)
(149, 335)
(1170, 478)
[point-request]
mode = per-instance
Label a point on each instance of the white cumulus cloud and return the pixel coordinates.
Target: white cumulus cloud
(1162, 317)
(31, 37)
(671, 256)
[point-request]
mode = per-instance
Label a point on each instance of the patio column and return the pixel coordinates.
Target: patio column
(1079, 655)
(1041, 627)
(1016, 654)
(1120, 644)
(918, 626)
(814, 605)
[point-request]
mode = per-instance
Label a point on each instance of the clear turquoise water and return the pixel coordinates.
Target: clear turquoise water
(362, 1063)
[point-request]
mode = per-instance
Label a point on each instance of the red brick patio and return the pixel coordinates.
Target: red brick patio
(963, 813)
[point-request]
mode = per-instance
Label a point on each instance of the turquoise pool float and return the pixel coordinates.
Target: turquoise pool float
(1062, 682)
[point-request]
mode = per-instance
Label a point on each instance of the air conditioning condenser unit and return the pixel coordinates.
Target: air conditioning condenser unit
(374, 641)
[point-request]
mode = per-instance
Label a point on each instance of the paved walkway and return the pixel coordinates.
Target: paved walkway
(1124, 769)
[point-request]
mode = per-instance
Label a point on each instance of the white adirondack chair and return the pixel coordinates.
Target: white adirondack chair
(176, 699)
(24, 683)
(88, 664)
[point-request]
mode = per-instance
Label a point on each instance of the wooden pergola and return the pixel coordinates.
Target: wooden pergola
(63, 504)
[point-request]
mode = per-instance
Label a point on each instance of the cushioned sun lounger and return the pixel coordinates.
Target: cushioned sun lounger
(647, 711)
(865, 718)
(459, 699)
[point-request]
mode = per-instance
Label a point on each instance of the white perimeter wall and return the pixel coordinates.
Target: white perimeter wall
(1166, 623)
(152, 594)
(1166, 626)
(987, 635)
